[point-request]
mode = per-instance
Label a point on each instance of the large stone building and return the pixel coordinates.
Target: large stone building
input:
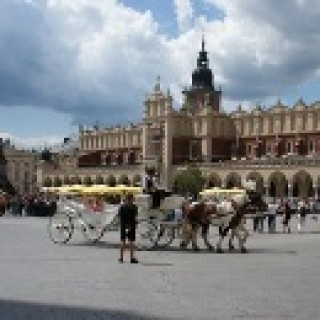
(277, 147)
(19, 167)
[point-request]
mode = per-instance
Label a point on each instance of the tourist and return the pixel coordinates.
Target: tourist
(3, 203)
(128, 212)
(272, 215)
(15, 205)
(286, 217)
(302, 211)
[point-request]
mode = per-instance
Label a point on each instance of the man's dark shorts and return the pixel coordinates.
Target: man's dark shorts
(127, 233)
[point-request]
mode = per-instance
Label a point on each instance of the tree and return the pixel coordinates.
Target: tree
(189, 181)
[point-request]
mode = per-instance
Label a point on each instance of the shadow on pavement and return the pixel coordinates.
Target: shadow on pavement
(271, 251)
(177, 249)
(115, 245)
(16, 310)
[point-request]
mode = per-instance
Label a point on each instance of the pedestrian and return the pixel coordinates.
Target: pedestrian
(128, 212)
(255, 223)
(272, 215)
(53, 205)
(286, 217)
(302, 211)
(3, 203)
(14, 205)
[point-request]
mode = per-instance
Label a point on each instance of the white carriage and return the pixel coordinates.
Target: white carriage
(73, 214)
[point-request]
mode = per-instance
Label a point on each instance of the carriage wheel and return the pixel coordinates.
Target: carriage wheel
(165, 236)
(92, 232)
(145, 234)
(60, 228)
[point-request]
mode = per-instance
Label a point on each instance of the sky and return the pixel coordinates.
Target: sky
(70, 62)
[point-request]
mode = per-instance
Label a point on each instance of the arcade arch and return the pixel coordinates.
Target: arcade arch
(258, 179)
(302, 185)
(47, 182)
(277, 185)
(57, 182)
(214, 180)
(233, 180)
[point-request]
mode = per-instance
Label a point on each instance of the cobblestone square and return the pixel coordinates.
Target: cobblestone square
(277, 279)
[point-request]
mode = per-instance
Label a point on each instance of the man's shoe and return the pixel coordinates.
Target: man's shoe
(120, 260)
(134, 260)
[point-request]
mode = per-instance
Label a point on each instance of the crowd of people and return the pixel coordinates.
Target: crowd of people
(39, 204)
(287, 208)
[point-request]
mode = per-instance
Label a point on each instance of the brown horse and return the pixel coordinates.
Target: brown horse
(230, 220)
(253, 204)
(196, 216)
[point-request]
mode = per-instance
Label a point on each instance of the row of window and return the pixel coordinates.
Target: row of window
(249, 126)
(271, 148)
(102, 142)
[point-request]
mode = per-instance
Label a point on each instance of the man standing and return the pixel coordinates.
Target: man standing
(302, 210)
(3, 203)
(272, 215)
(128, 212)
(286, 217)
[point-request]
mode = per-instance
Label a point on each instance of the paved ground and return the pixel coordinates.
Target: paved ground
(279, 278)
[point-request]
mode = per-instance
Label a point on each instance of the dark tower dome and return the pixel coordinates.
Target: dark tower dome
(202, 92)
(202, 77)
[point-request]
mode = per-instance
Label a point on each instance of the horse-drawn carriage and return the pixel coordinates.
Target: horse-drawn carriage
(177, 218)
(225, 210)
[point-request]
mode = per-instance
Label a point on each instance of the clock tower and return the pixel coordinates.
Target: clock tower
(202, 92)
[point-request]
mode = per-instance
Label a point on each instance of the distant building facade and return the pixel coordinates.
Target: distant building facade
(20, 167)
(277, 147)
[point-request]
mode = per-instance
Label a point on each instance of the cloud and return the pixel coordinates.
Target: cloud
(184, 14)
(32, 142)
(96, 59)
(78, 57)
(264, 49)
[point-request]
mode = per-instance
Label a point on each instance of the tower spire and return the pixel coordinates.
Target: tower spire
(202, 41)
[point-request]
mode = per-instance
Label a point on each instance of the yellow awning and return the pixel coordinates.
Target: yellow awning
(117, 190)
(222, 192)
